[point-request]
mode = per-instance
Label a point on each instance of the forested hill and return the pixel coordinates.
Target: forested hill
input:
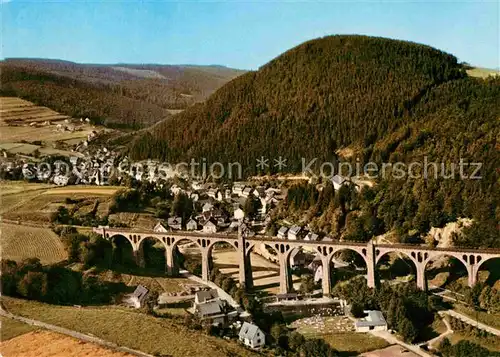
(320, 96)
(387, 100)
(122, 95)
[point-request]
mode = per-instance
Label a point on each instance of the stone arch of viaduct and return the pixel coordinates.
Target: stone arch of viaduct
(420, 256)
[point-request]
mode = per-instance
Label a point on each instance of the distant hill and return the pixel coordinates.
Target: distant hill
(122, 95)
(483, 72)
(312, 100)
(387, 101)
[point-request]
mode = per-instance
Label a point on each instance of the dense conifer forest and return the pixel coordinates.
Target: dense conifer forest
(388, 101)
(121, 96)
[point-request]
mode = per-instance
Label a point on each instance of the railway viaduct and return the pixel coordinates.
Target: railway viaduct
(472, 259)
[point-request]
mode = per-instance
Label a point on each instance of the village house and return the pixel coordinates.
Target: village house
(316, 267)
(282, 232)
(196, 185)
(297, 258)
(247, 191)
(311, 236)
(207, 207)
(338, 181)
(61, 180)
(160, 228)
(210, 226)
(218, 213)
(192, 225)
(252, 336)
(374, 321)
(293, 233)
(260, 192)
(213, 311)
(233, 226)
(136, 299)
(175, 189)
(238, 188)
(175, 223)
(215, 193)
(204, 296)
(239, 214)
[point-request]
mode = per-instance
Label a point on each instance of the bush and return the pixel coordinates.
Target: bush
(33, 285)
(357, 310)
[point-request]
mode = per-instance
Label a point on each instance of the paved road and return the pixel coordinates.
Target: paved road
(74, 334)
(472, 322)
(386, 335)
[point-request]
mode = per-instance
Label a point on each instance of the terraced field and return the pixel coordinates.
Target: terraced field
(21, 242)
(17, 110)
(23, 122)
(27, 202)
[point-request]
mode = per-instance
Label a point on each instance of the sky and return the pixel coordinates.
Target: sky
(238, 34)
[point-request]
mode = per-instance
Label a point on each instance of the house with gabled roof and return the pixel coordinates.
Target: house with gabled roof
(293, 232)
(207, 207)
(136, 299)
(160, 228)
(297, 258)
(311, 236)
(251, 335)
(338, 181)
(191, 225)
(210, 226)
(203, 296)
(247, 191)
(238, 188)
(282, 232)
(215, 193)
(239, 214)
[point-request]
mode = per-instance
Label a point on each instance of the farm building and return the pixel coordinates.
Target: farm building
(374, 321)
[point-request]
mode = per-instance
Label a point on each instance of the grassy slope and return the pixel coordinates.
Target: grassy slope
(12, 328)
(129, 328)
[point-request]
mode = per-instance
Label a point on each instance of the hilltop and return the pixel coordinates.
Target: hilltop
(119, 96)
(333, 92)
(385, 100)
